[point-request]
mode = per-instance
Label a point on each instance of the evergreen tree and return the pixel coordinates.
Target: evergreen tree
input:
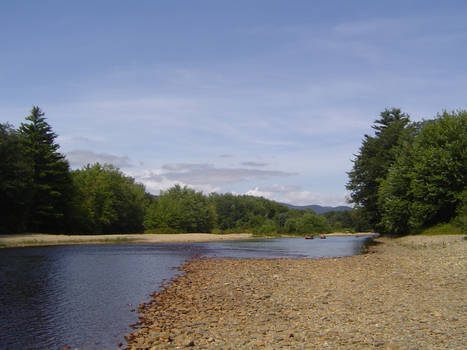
(51, 182)
(15, 181)
(371, 165)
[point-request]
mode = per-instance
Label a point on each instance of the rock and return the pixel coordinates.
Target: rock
(396, 293)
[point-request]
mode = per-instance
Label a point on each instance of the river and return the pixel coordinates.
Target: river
(84, 296)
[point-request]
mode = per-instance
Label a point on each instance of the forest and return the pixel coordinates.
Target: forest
(408, 176)
(39, 193)
(411, 176)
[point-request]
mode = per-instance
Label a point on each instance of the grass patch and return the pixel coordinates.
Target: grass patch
(442, 229)
(163, 230)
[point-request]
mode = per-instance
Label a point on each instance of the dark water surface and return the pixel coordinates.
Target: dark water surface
(82, 295)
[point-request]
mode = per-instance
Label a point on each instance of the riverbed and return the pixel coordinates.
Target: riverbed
(85, 296)
(407, 293)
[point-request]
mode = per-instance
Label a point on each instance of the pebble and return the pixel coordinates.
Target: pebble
(390, 299)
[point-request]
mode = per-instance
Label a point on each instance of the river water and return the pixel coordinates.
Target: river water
(83, 296)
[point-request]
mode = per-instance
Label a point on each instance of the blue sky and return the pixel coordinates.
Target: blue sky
(268, 98)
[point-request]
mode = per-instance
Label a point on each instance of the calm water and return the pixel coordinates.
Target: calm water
(82, 295)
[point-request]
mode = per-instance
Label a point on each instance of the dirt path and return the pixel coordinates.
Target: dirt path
(409, 293)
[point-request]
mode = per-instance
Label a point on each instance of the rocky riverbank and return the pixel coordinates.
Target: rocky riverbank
(407, 293)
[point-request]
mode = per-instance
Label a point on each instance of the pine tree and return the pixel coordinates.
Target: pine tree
(372, 164)
(15, 181)
(51, 181)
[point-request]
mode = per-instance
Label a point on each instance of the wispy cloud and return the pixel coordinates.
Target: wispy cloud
(79, 158)
(243, 107)
(254, 164)
(180, 167)
(217, 176)
(202, 176)
(293, 195)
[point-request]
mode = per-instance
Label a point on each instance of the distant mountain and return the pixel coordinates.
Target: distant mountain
(318, 209)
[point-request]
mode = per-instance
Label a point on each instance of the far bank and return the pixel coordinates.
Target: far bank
(25, 240)
(40, 239)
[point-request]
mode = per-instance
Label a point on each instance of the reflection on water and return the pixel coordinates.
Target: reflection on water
(78, 295)
(82, 296)
(286, 247)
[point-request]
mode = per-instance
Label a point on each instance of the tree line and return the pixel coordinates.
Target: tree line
(405, 177)
(181, 209)
(40, 193)
(412, 175)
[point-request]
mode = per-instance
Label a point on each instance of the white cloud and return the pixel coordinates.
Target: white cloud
(184, 166)
(280, 188)
(79, 158)
(155, 181)
(206, 175)
(218, 176)
(292, 195)
(254, 164)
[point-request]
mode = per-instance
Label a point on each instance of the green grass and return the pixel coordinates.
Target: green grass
(163, 231)
(442, 229)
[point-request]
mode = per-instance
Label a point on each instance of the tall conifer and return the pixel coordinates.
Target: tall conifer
(372, 164)
(15, 181)
(51, 181)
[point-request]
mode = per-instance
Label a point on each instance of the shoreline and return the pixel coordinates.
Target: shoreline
(32, 240)
(404, 293)
(43, 239)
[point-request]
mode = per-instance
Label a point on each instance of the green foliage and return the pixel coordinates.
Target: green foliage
(372, 164)
(268, 228)
(244, 213)
(461, 218)
(180, 209)
(106, 201)
(439, 173)
(51, 183)
(426, 184)
(406, 177)
(38, 192)
(305, 222)
(162, 230)
(311, 222)
(394, 197)
(340, 221)
(15, 181)
(442, 229)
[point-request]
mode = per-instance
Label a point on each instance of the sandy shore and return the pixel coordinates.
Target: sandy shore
(23, 240)
(30, 239)
(407, 293)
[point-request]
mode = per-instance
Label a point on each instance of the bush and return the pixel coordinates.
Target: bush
(268, 228)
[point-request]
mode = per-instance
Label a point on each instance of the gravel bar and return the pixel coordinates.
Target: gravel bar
(406, 293)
